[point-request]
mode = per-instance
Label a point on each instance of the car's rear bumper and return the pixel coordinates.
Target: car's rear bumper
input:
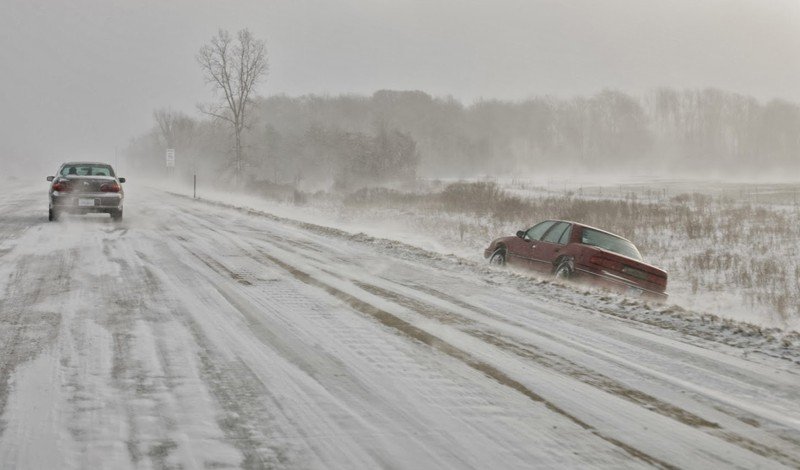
(86, 202)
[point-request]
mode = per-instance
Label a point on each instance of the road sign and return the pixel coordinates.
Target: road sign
(170, 158)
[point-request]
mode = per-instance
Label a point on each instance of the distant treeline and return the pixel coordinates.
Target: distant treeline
(392, 135)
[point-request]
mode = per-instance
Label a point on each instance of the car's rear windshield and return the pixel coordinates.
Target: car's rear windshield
(610, 242)
(87, 169)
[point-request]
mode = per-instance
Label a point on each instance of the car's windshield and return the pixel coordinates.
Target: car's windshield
(610, 242)
(87, 169)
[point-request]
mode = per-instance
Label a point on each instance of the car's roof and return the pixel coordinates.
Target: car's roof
(85, 163)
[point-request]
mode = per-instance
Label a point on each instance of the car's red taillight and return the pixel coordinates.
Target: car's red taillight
(61, 186)
(110, 187)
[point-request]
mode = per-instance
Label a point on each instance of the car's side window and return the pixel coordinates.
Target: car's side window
(565, 236)
(535, 233)
(555, 233)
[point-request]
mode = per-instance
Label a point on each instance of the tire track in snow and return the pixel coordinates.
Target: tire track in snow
(246, 420)
(746, 416)
(26, 329)
(546, 359)
(326, 370)
(134, 331)
(125, 366)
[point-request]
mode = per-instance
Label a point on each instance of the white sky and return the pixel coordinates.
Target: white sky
(80, 77)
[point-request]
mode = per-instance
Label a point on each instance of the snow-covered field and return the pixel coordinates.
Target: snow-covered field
(194, 334)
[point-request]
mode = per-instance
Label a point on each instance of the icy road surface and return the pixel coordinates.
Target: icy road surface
(205, 337)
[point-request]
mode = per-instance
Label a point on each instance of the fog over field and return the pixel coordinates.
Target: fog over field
(400, 233)
(83, 77)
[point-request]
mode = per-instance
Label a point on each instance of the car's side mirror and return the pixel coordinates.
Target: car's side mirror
(521, 234)
(122, 180)
(51, 178)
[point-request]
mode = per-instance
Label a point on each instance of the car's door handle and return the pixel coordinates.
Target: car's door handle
(533, 246)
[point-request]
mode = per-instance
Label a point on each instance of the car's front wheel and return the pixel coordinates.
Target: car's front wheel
(498, 258)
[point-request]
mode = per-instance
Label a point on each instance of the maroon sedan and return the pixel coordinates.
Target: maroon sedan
(575, 251)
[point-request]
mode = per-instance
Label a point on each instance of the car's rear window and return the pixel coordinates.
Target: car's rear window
(610, 242)
(87, 169)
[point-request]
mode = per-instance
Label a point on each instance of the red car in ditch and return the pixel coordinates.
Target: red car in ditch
(569, 250)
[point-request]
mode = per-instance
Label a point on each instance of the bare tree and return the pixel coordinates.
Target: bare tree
(233, 68)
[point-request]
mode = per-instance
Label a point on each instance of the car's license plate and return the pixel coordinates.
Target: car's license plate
(86, 202)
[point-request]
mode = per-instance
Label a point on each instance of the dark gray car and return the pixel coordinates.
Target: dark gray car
(84, 187)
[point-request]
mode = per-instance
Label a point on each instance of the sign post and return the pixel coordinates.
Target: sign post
(170, 161)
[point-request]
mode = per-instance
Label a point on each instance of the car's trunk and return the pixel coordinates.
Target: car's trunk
(631, 270)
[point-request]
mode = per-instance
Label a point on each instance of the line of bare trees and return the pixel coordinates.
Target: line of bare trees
(356, 140)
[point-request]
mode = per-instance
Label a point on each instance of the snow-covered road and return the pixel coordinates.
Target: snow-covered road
(201, 336)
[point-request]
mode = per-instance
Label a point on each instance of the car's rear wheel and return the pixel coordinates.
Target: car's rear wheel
(116, 215)
(564, 270)
(52, 215)
(498, 258)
